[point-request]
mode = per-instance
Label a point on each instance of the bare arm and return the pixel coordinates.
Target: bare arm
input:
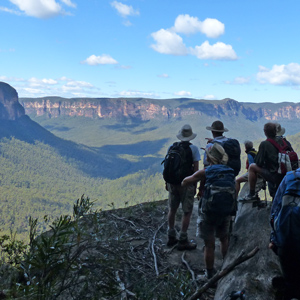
(197, 176)
(196, 166)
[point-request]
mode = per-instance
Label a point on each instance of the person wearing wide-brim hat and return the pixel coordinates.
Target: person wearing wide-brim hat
(183, 195)
(210, 226)
(217, 129)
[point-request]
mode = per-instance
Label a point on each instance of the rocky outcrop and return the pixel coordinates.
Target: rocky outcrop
(147, 109)
(10, 108)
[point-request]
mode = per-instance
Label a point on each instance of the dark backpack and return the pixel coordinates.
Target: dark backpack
(219, 197)
(287, 158)
(178, 163)
(233, 150)
(286, 221)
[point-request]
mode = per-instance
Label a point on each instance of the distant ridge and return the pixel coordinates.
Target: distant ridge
(94, 161)
(147, 109)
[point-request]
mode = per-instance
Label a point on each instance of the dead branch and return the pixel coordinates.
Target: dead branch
(152, 247)
(123, 219)
(189, 268)
(123, 289)
(241, 258)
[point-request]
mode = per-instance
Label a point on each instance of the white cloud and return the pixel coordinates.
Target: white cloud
(34, 92)
(80, 84)
(104, 59)
(209, 97)
(163, 75)
(69, 3)
(217, 51)
(239, 80)
(137, 94)
(168, 42)
(183, 93)
(127, 23)
(63, 87)
(280, 74)
(188, 25)
(11, 11)
(35, 82)
(14, 79)
(124, 10)
(42, 8)
(123, 67)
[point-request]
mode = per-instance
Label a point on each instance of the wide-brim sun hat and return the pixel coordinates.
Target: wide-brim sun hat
(217, 126)
(280, 131)
(186, 134)
(217, 154)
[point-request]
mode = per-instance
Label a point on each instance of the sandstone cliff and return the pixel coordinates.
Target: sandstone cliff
(147, 109)
(10, 108)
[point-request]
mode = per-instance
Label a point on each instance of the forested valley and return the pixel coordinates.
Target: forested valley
(36, 181)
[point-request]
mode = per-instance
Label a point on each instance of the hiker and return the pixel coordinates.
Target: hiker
(266, 164)
(177, 193)
(251, 154)
(217, 130)
(217, 204)
(285, 236)
(280, 131)
(231, 146)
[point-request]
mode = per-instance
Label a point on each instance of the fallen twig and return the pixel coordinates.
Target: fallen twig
(224, 272)
(189, 268)
(123, 219)
(124, 291)
(152, 247)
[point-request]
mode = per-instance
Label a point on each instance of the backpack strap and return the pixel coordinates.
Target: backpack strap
(253, 153)
(277, 146)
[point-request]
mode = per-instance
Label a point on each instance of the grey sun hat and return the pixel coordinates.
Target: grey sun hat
(280, 131)
(217, 126)
(186, 134)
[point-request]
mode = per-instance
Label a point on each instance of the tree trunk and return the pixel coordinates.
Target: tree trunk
(251, 229)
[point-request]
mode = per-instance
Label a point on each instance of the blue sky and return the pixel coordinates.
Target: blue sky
(245, 50)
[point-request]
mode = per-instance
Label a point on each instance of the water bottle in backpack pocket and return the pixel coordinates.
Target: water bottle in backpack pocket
(219, 196)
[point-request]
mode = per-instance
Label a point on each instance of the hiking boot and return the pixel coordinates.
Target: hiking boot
(186, 245)
(208, 274)
(249, 199)
(172, 240)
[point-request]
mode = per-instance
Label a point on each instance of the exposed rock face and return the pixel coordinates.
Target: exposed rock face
(10, 108)
(147, 109)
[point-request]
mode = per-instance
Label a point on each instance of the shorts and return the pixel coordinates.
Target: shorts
(183, 195)
(211, 227)
(275, 178)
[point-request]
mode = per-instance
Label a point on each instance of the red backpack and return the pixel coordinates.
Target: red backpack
(287, 157)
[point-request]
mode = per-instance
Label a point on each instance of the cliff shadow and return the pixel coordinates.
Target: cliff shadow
(104, 162)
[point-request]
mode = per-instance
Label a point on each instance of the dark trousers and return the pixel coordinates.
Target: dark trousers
(290, 266)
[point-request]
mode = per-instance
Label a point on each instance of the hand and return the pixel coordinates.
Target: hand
(208, 140)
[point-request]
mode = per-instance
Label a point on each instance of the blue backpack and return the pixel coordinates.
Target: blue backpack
(286, 223)
(219, 197)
